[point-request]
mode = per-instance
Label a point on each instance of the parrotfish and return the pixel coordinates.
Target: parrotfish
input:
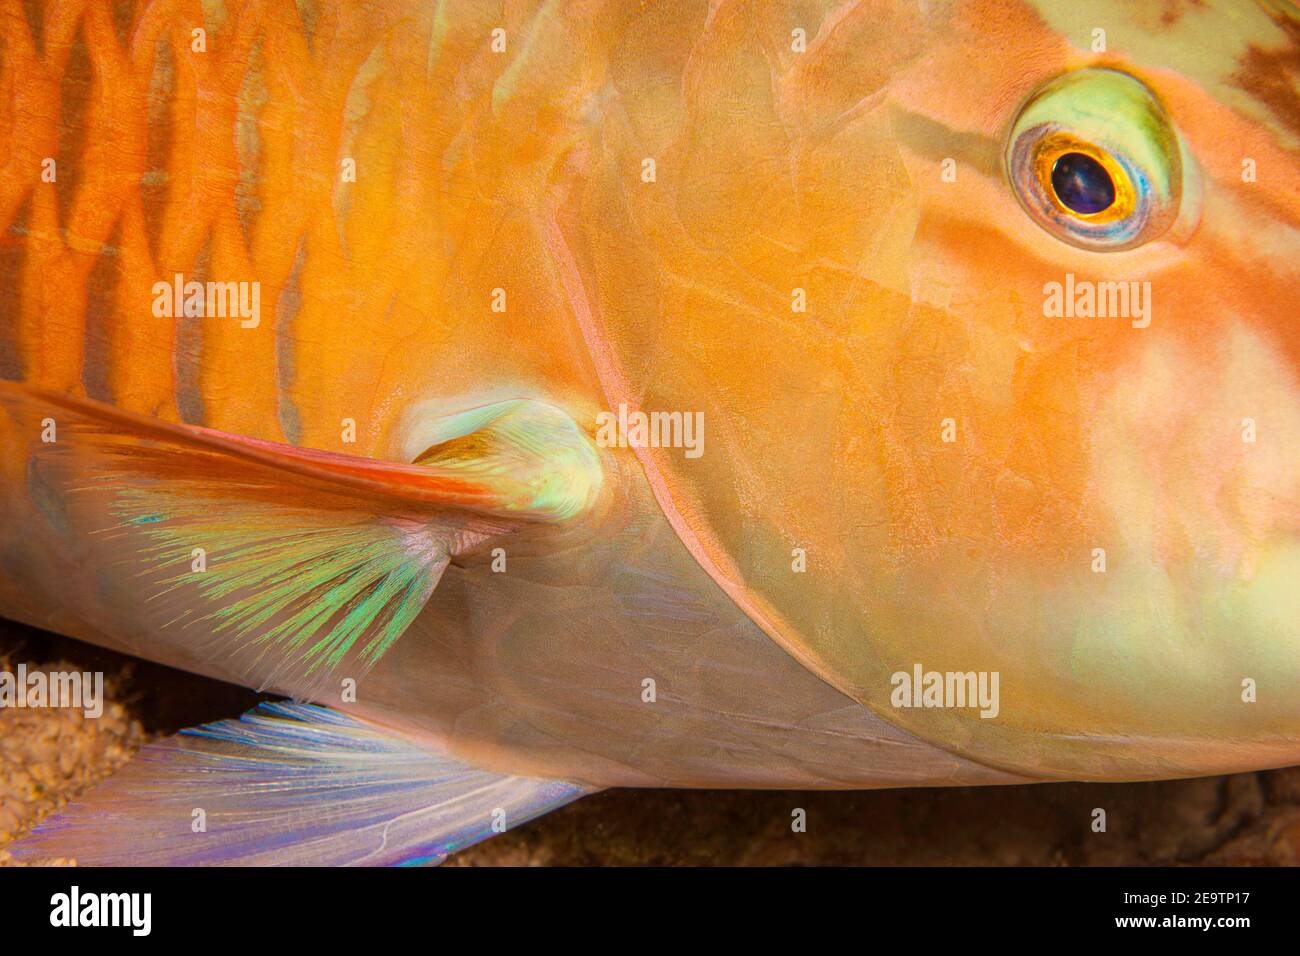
(543, 396)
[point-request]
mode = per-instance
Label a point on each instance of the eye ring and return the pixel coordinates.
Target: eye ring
(1111, 120)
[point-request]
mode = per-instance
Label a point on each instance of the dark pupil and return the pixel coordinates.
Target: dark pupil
(1082, 183)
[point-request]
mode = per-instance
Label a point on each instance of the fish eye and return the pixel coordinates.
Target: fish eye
(1082, 184)
(1094, 159)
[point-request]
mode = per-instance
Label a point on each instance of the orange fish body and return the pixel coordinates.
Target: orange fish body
(961, 337)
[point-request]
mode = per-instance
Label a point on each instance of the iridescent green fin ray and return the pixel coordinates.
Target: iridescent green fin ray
(313, 583)
(293, 563)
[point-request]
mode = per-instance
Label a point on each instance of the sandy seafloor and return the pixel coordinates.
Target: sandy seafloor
(49, 756)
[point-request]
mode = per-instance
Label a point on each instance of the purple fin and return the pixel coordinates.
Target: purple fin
(290, 784)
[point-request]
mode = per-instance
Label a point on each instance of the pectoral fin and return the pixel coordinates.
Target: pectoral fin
(289, 784)
(290, 561)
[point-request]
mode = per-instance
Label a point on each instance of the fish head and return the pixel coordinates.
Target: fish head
(859, 245)
(852, 255)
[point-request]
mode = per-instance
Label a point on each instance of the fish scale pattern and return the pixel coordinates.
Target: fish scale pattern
(78, 61)
(225, 141)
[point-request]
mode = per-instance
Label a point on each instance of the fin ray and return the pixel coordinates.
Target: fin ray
(294, 560)
(290, 784)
